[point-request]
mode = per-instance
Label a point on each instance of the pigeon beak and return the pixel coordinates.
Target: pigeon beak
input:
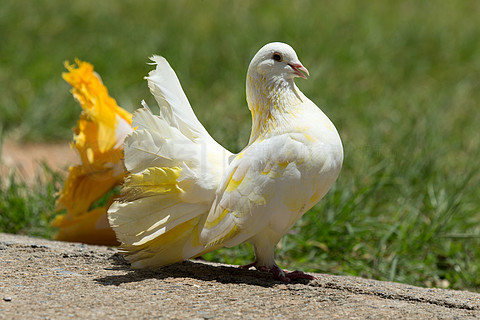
(298, 68)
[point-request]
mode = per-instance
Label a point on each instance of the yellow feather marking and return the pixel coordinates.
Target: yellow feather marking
(233, 184)
(265, 172)
(240, 155)
(283, 164)
(308, 137)
(211, 224)
(155, 180)
(279, 170)
(168, 237)
(315, 198)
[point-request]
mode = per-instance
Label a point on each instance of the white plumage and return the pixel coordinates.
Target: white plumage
(187, 195)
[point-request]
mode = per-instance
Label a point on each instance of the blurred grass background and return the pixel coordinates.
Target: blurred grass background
(401, 81)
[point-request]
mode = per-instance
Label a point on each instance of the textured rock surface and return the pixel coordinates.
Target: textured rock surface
(42, 279)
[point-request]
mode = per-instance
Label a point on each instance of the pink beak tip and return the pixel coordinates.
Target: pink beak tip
(298, 68)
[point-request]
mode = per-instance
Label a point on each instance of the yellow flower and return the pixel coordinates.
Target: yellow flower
(97, 104)
(98, 139)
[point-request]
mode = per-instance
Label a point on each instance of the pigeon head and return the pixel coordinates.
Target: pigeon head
(275, 60)
(270, 89)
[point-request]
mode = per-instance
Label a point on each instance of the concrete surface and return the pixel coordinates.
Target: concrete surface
(42, 279)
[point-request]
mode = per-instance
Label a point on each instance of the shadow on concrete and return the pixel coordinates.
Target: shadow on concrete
(190, 269)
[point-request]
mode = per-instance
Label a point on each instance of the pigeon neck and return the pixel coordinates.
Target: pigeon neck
(270, 101)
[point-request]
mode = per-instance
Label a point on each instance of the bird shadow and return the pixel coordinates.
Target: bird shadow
(196, 269)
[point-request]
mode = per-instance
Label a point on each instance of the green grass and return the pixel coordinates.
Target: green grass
(401, 81)
(28, 208)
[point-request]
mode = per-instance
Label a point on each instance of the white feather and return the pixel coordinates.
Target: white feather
(173, 103)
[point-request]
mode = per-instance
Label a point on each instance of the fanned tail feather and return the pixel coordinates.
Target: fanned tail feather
(173, 103)
(175, 167)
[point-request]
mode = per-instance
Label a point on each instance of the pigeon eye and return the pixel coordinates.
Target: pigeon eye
(277, 57)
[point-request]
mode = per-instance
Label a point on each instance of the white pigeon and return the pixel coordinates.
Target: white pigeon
(187, 195)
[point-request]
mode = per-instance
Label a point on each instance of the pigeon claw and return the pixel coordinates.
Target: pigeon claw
(279, 274)
(287, 276)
